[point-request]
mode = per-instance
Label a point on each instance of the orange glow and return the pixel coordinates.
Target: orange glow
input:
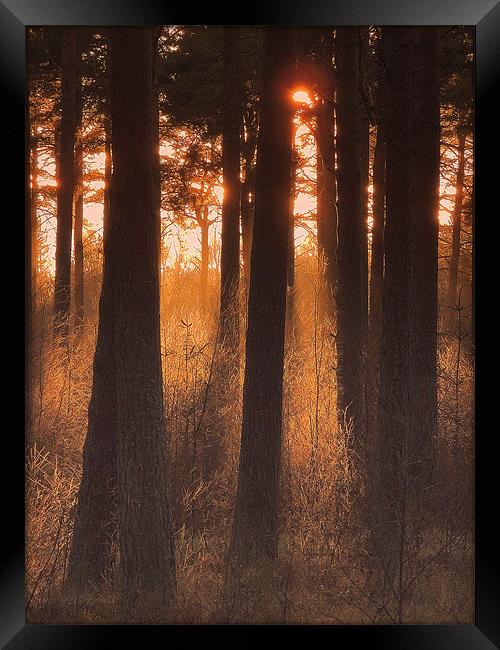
(301, 96)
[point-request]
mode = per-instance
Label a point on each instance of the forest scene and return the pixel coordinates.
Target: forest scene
(250, 332)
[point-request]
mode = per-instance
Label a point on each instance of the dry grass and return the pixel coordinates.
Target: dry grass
(326, 573)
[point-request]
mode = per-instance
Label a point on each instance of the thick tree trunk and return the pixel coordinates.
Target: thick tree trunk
(147, 564)
(393, 404)
(90, 557)
(407, 400)
(351, 293)
(230, 241)
(255, 527)
(451, 294)
(65, 181)
(425, 104)
(327, 192)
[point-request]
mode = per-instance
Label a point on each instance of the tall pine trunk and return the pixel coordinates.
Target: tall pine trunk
(451, 294)
(425, 103)
(326, 182)
(394, 405)
(364, 161)
(65, 181)
(407, 399)
(147, 566)
(79, 305)
(230, 241)
(255, 526)
(351, 294)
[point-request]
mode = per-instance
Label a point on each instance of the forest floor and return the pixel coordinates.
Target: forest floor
(326, 572)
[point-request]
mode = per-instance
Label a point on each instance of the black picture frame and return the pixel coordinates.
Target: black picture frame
(15, 15)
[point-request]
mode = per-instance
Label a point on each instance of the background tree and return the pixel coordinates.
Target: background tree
(230, 240)
(67, 130)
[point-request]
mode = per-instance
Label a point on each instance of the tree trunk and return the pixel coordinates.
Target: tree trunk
(424, 241)
(147, 566)
(407, 400)
(377, 253)
(290, 264)
(351, 293)
(326, 185)
(90, 560)
(393, 404)
(364, 62)
(65, 181)
(451, 294)
(78, 219)
(230, 241)
(255, 527)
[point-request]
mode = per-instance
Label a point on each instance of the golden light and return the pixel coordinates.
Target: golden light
(301, 96)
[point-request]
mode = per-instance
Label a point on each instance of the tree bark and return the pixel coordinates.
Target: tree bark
(351, 293)
(451, 294)
(393, 405)
(230, 240)
(65, 181)
(79, 305)
(424, 241)
(364, 162)
(326, 185)
(147, 564)
(407, 398)
(255, 526)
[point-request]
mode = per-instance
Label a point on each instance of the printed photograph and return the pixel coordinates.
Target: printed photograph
(250, 341)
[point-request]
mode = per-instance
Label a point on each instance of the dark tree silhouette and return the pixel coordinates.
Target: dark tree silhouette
(407, 399)
(126, 436)
(394, 406)
(62, 290)
(147, 569)
(255, 527)
(326, 181)
(351, 294)
(79, 306)
(424, 246)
